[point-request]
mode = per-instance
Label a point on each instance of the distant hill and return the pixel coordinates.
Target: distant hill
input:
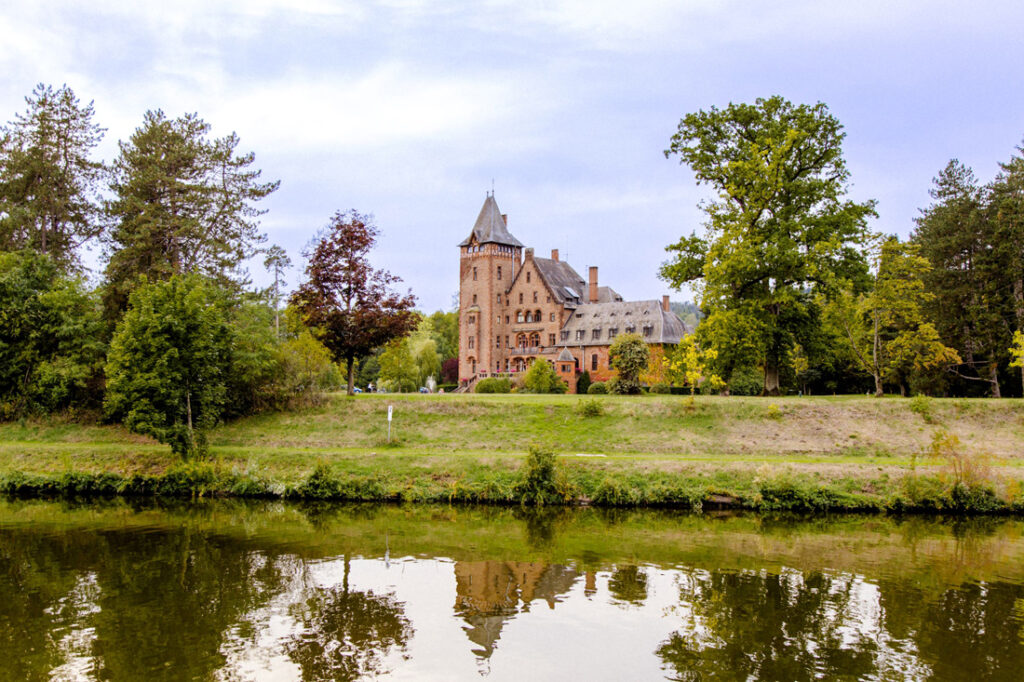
(688, 312)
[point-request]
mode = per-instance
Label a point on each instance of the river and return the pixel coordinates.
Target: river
(229, 590)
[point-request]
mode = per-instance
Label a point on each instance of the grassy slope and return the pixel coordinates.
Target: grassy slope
(446, 445)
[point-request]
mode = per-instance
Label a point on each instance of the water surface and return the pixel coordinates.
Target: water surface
(237, 591)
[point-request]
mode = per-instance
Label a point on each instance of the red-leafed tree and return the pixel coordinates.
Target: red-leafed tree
(349, 301)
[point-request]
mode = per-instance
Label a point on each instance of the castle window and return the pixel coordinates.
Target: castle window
(596, 334)
(499, 299)
(506, 319)
(565, 336)
(631, 329)
(593, 362)
(497, 342)
(519, 316)
(471, 342)
(474, 299)
(613, 332)
(521, 341)
(529, 316)
(535, 297)
(534, 340)
(499, 272)
(520, 297)
(507, 344)
(474, 274)
(648, 330)
(472, 318)
(549, 299)
(552, 317)
(472, 365)
(551, 339)
(537, 317)
(580, 334)
(527, 277)
(497, 319)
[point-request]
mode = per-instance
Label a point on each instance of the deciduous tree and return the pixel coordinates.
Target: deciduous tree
(349, 301)
(780, 228)
(629, 356)
(168, 362)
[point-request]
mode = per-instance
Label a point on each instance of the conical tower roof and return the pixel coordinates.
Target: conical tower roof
(490, 226)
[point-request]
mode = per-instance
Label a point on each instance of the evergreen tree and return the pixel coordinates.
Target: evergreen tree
(966, 278)
(48, 182)
(277, 261)
(1006, 210)
(183, 203)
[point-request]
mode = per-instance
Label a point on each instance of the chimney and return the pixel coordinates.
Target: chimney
(593, 284)
(554, 255)
(504, 219)
(529, 254)
(664, 304)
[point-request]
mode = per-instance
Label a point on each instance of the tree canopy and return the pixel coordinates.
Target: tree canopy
(48, 181)
(182, 203)
(348, 300)
(780, 227)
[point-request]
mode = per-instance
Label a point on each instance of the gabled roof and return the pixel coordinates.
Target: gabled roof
(490, 227)
(564, 282)
(565, 355)
(665, 326)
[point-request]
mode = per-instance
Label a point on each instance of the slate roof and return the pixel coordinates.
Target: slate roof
(665, 326)
(490, 227)
(607, 295)
(565, 355)
(565, 282)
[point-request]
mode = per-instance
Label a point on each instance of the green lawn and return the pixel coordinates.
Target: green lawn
(728, 446)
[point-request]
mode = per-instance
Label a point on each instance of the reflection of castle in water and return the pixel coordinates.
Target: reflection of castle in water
(490, 592)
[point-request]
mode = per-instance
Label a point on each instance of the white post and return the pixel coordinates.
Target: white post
(390, 409)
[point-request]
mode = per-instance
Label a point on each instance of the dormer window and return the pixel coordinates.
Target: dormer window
(648, 329)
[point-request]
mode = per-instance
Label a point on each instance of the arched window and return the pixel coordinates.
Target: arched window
(519, 316)
(521, 341)
(534, 340)
(538, 317)
(472, 365)
(529, 316)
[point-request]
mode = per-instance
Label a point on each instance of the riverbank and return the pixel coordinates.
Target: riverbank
(817, 453)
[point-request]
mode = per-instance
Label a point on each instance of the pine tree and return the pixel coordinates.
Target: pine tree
(183, 203)
(48, 182)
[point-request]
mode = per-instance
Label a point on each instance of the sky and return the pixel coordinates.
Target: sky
(412, 110)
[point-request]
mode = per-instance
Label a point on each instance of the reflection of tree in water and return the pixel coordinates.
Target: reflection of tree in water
(488, 593)
(770, 627)
(628, 584)
(346, 633)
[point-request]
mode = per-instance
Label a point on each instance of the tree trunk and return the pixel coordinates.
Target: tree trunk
(875, 348)
(188, 412)
(351, 376)
(879, 391)
(993, 373)
(771, 380)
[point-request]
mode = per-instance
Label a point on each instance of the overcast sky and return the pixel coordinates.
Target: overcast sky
(408, 109)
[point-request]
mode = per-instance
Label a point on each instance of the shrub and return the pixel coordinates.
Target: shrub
(773, 412)
(583, 382)
(493, 385)
(660, 388)
(966, 468)
(922, 405)
(629, 355)
(541, 482)
(590, 408)
(597, 388)
(541, 378)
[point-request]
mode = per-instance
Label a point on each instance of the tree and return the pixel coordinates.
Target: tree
(1017, 350)
(48, 182)
(629, 355)
(428, 361)
(168, 362)
(348, 300)
(1006, 208)
(51, 355)
(182, 203)
(967, 277)
(398, 371)
(886, 327)
(541, 378)
(693, 364)
(780, 229)
(277, 261)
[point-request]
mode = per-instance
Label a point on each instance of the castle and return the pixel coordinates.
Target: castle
(516, 308)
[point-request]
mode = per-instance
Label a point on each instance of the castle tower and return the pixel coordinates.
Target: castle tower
(489, 260)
